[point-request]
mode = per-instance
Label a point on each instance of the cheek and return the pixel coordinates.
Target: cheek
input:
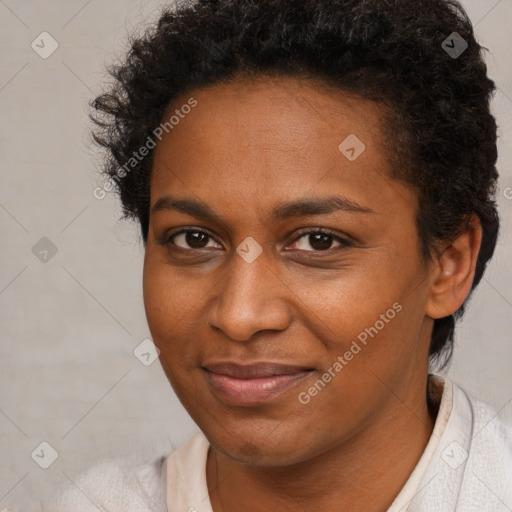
(168, 297)
(352, 302)
(372, 320)
(363, 372)
(167, 302)
(379, 347)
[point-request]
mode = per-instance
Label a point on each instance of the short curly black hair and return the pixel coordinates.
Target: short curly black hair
(440, 134)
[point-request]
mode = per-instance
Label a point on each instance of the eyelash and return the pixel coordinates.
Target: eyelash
(325, 231)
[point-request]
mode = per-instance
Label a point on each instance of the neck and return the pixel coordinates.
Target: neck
(364, 474)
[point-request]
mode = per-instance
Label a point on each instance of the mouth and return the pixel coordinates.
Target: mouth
(254, 384)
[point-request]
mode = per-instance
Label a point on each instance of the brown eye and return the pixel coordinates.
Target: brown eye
(190, 239)
(319, 241)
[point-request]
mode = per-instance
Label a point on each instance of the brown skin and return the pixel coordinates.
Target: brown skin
(246, 146)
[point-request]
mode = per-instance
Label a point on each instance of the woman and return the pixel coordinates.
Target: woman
(314, 184)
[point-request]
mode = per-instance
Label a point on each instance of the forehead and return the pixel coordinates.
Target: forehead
(262, 141)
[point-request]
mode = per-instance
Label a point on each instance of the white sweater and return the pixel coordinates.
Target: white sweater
(466, 467)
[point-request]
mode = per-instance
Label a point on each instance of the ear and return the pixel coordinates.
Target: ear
(453, 271)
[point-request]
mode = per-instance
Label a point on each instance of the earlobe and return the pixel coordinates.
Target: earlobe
(453, 271)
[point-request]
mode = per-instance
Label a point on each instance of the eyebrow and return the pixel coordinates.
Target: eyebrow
(280, 211)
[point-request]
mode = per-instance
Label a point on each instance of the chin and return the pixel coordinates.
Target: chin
(261, 445)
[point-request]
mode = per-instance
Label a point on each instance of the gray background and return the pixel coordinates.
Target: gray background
(70, 324)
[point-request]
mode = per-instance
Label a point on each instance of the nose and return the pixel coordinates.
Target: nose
(253, 297)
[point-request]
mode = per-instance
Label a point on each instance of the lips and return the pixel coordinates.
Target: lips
(253, 384)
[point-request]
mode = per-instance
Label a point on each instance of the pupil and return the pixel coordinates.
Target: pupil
(195, 239)
(320, 240)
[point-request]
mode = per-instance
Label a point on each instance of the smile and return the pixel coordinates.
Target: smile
(254, 384)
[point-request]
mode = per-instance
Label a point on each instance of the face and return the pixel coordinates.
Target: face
(283, 281)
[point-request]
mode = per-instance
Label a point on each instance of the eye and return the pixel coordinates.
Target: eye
(190, 239)
(319, 240)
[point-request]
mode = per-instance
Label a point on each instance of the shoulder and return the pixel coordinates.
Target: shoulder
(116, 485)
(492, 427)
(489, 460)
(471, 468)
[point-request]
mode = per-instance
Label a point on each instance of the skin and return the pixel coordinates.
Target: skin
(245, 147)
